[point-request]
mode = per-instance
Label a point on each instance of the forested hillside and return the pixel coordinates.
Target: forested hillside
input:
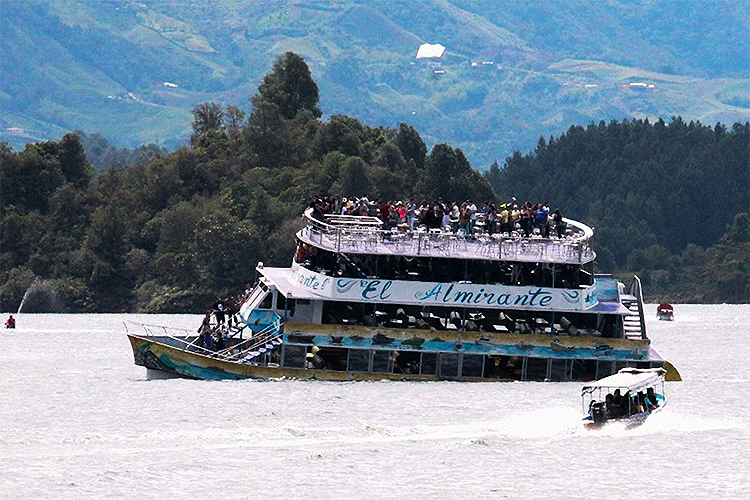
(660, 197)
(133, 70)
(171, 232)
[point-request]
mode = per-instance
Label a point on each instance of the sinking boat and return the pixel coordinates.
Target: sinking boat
(364, 302)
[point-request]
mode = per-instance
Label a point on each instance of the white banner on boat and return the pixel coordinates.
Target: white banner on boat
(441, 294)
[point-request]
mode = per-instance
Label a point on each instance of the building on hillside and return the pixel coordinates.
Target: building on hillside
(641, 86)
(430, 51)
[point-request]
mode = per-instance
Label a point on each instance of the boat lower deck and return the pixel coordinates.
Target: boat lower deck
(338, 352)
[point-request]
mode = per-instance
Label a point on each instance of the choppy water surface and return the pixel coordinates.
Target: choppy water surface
(80, 420)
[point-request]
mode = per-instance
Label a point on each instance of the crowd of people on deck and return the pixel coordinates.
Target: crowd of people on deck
(219, 320)
(510, 218)
(618, 405)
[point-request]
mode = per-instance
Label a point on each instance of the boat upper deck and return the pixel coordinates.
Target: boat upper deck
(365, 235)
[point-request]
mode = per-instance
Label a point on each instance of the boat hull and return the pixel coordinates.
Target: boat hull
(156, 353)
(628, 422)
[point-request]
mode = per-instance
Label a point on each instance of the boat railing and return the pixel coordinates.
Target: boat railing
(367, 236)
(238, 351)
(170, 333)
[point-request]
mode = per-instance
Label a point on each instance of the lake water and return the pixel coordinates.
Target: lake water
(80, 420)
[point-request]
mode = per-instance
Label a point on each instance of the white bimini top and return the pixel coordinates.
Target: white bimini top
(632, 379)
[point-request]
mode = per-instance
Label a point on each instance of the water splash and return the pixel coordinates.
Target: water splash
(23, 301)
(41, 297)
(665, 422)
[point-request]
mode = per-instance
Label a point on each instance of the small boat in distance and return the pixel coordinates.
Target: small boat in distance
(628, 396)
(665, 312)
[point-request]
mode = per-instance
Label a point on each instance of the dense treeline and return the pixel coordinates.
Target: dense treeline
(103, 155)
(172, 232)
(668, 201)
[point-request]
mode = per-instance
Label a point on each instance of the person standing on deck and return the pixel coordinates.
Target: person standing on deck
(473, 217)
(219, 313)
(411, 212)
(540, 220)
(204, 332)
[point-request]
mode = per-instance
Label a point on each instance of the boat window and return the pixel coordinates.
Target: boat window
(407, 362)
(359, 360)
(429, 363)
(267, 302)
(382, 362)
(536, 369)
(604, 368)
(503, 367)
(558, 370)
(472, 365)
(283, 304)
(449, 364)
(294, 356)
(584, 369)
(334, 358)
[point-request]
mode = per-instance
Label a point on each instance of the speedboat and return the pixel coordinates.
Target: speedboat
(630, 396)
(665, 312)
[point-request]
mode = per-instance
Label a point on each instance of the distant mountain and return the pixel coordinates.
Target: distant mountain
(512, 71)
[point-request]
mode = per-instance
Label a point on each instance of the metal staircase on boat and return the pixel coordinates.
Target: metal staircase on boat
(261, 345)
(634, 324)
(256, 297)
(265, 327)
(251, 303)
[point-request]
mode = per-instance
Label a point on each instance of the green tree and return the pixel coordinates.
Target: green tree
(206, 116)
(234, 120)
(354, 180)
(30, 176)
(290, 87)
(266, 135)
(411, 145)
(106, 240)
(226, 251)
(739, 230)
(75, 168)
(449, 175)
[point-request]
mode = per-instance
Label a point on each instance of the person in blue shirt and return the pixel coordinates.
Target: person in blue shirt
(540, 220)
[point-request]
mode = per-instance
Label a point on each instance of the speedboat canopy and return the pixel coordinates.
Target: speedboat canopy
(631, 379)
